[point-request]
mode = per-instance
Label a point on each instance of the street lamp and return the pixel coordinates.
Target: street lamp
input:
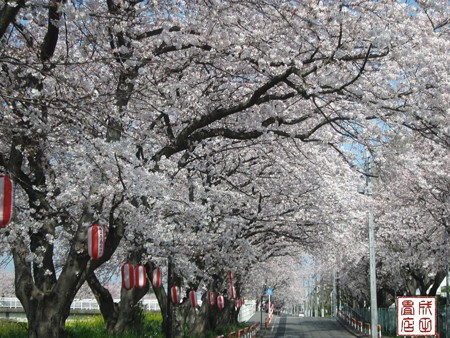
(372, 262)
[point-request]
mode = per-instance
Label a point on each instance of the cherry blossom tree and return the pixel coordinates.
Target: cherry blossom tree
(410, 204)
(416, 206)
(103, 101)
(7, 284)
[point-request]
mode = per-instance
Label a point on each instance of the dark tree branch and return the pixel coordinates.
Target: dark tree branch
(108, 307)
(361, 70)
(51, 37)
(8, 15)
(220, 113)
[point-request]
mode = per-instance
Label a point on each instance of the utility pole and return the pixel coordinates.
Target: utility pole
(261, 306)
(372, 260)
(373, 279)
(169, 314)
(333, 296)
(447, 291)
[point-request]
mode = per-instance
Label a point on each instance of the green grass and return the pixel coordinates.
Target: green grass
(86, 327)
(153, 325)
(10, 329)
(92, 327)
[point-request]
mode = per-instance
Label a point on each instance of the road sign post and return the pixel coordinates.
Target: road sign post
(269, 293)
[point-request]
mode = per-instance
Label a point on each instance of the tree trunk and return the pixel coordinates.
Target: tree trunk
(45, 302)
(186, 320)
(108, 308)
(45, 319)
(436, 282)
(131, 315)
(119, 317)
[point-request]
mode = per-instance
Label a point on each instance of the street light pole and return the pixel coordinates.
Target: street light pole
(373, 279)
(261, 310)
(333, 296)
(372, 260)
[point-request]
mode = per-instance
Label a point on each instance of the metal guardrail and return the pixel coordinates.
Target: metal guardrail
(77, 304)
(246, 312)
(387, 319)
(10, 302)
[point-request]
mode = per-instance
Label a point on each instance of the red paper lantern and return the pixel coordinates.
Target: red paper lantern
(175, 293)
(232, 292)
(238, 303)
(127, 276)
(230, 274)
(193, 298)
(96, 241)
(156, 278)
(211, 298)
(140, 277)
(6, 200)
(220, 302)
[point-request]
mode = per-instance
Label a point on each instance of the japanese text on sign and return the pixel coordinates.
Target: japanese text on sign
(416, 316)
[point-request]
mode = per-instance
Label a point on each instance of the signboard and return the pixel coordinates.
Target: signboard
(269, 292)
(416, 316)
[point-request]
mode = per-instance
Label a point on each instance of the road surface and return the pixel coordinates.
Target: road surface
(306, 327)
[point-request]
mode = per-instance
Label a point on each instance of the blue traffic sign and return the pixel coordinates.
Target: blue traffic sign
(269, 292)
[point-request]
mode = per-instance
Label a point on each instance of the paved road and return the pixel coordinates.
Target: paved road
(308, 327)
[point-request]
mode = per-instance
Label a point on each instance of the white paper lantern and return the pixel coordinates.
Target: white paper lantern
(127, 276)
(175, 294)
(232, 292)
(211, 298)
(6, 200)
(140, 277)
(220, 302)
(193, 298)
(156, 278)
(96, 241)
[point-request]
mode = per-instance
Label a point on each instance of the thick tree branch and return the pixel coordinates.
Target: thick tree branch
(218, 114)
(108, 307)
(8, 14)
(51, 37)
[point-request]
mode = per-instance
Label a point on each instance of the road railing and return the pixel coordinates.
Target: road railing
(247, 332)
(78, 304)
(348, 319)
(269, 318)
